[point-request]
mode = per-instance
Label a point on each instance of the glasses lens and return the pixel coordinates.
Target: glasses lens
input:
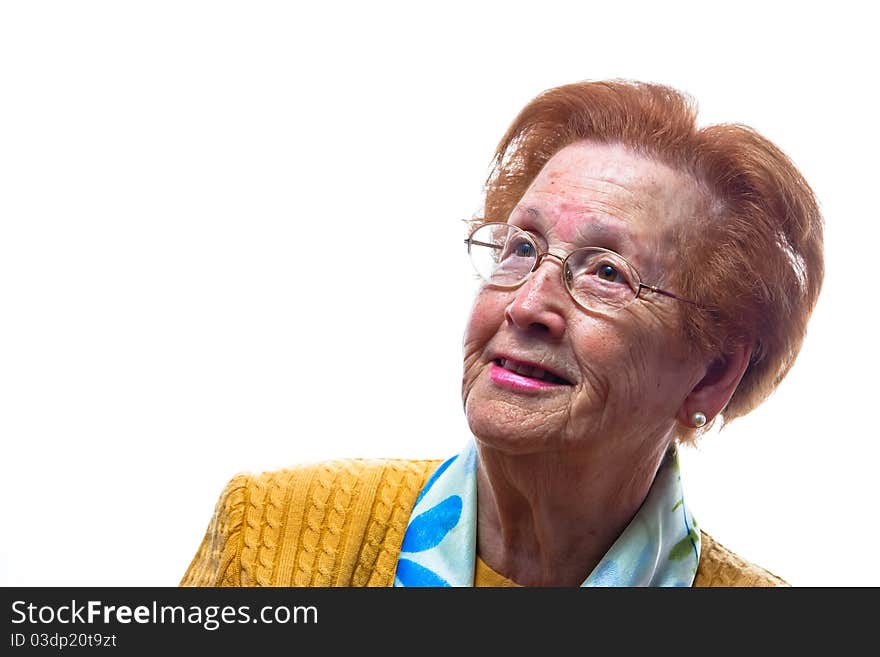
(502, 254)
(597, 278)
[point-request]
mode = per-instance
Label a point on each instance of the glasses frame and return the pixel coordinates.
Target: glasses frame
(563, 260)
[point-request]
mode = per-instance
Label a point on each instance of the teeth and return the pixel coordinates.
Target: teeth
(530, 371)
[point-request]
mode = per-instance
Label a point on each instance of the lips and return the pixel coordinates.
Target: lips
(530, 370)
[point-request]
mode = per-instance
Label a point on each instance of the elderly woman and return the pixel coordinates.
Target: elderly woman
(642, 279)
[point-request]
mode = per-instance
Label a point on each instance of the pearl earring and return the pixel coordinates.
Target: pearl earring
(699, 419)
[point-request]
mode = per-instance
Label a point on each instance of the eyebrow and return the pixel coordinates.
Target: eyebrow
(534, 213)
(604, 230)
(599, 226)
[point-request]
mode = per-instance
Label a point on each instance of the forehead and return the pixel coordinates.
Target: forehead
(609, 188)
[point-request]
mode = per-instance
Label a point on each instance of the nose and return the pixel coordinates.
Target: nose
(539, 303)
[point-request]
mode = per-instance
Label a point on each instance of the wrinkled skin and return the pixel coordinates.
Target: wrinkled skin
(630, 368)
(603, 436)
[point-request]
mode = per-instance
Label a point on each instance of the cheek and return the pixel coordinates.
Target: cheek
(619, 361)
(487, 315)
(656, 373)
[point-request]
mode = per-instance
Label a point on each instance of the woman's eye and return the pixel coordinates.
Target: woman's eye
(608, 273)
(524, 250)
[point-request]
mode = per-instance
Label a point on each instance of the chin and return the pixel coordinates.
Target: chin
(509, 428)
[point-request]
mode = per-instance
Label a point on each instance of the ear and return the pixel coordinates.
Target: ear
(717, 386)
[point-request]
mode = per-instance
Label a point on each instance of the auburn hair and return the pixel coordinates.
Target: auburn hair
(753, 257)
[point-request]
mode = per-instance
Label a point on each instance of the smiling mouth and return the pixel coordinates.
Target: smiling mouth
(530, 371)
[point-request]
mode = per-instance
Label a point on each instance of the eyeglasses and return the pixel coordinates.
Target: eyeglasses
(596, 278)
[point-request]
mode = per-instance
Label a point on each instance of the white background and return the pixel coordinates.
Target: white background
(230, 239)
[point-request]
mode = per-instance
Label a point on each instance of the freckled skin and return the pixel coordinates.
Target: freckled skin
(603, 436)
(628, 361)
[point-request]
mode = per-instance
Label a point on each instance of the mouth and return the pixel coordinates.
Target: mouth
(531, 372)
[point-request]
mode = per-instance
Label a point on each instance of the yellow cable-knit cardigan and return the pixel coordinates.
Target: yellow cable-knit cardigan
(341, 523)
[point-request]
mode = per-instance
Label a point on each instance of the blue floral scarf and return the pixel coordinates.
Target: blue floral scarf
(659, 547)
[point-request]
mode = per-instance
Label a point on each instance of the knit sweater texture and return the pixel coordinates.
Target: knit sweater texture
(341, 523)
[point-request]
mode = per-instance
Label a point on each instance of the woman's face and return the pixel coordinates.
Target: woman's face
(621, 376)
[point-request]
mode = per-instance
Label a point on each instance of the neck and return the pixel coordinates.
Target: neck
(547, 519)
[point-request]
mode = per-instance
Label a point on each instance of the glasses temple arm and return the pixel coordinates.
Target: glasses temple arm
(654, 288)
(469, 242)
